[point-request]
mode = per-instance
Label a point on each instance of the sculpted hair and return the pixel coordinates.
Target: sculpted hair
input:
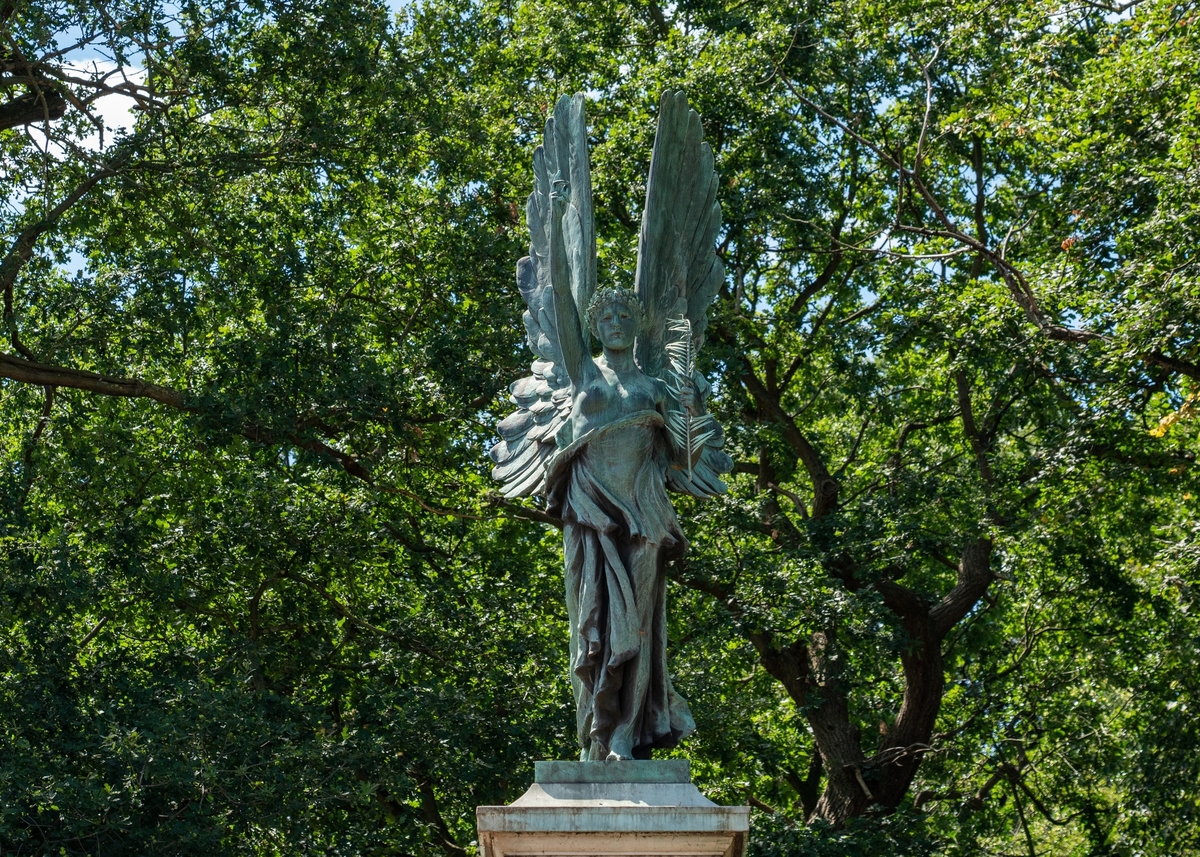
(603, 297)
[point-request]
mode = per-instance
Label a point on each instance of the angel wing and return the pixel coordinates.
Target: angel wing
(529, 436)
(678, 275)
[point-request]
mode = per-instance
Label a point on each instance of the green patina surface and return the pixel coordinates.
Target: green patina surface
(604, 437)
(633, 771)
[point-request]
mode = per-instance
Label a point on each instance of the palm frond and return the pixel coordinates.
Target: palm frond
(681, 354)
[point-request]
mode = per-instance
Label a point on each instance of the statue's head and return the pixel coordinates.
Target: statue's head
(623, 303)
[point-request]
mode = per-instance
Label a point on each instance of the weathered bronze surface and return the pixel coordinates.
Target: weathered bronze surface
(604, 437)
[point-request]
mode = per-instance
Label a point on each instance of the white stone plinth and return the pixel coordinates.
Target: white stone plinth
(649, 809)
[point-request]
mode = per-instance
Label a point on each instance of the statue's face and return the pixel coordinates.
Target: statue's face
(616, 326)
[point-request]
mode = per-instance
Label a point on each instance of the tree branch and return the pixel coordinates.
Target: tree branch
(42, 374)
(32, 107)
(21, 250)
(518, 511)
(1018, 287)
(974, 575)
(979, 444)
(825, 487)
(30, 372)
(1172, 364)
(432, 814)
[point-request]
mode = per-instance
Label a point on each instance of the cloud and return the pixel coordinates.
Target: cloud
(113, 110)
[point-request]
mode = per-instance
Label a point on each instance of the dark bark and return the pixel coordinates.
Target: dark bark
(884, 779)
(809, 788)
(811, 673)
(662, 27)
(904, 746)
(846, 793)
(1172, 364)
(42, 105)
(825, 487)
(29, 372)
(431, 814)
(811, 669)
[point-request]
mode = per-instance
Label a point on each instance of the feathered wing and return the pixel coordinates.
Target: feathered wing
(678, 275)
(529, 436)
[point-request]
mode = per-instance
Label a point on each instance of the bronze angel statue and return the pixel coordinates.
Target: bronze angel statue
(604, 437)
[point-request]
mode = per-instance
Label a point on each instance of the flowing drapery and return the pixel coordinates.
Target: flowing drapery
(619, 531)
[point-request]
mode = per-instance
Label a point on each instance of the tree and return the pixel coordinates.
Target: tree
(257, 594)
(232, 623)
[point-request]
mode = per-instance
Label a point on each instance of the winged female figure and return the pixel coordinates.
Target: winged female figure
(604, 436)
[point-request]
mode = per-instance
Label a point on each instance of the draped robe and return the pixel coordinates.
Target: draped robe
(619, 531)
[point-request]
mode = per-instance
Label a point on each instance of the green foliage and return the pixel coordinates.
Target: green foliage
(276, 608)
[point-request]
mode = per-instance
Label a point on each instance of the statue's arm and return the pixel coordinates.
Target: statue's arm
(685, 403)
(576, 360)
(687, 399)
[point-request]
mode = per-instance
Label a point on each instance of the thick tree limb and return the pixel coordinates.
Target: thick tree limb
(1172, 364)
(91, 635)
(809, 788)
(821, 280)
(776, 524)
(662, 27)
(916, 426)
(979, 444)
(840, 743)
(788, 665)
(431, 813)
(974, 575)
(494, 498)
(30, 372)
(924, 684)
(39, 429)
(269, 438)
(31, 108)
(902, 601)
(825, 487)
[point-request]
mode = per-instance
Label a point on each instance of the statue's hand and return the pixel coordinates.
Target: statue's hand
(687, 401)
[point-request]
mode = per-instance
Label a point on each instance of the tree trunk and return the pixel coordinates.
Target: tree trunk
(812, 676)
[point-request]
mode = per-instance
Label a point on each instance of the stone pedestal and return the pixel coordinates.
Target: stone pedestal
(650, 809)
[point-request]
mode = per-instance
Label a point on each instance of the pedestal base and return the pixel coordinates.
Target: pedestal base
(650, 809)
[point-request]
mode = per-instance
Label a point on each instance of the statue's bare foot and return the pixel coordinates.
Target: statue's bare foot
(620, 752)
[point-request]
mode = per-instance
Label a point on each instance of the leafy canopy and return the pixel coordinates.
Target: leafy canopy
(258, 592)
